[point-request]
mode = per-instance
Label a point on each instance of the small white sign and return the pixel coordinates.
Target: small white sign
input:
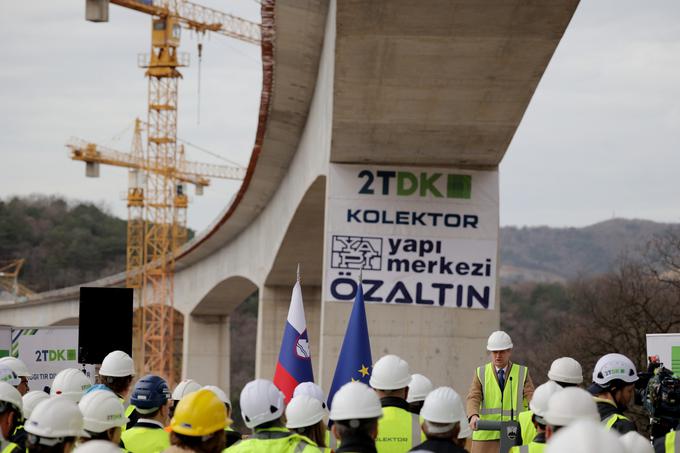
(420, 236)
(46, 351)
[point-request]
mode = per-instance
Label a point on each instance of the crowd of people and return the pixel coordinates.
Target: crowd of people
(397, 412)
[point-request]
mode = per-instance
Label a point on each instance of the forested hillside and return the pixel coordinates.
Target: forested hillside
(63, 243)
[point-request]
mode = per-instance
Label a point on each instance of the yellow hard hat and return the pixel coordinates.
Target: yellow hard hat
(199, 413)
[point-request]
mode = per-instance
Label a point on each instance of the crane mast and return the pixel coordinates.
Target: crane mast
(157, 214)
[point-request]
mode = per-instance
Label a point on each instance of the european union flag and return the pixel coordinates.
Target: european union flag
(354, 362)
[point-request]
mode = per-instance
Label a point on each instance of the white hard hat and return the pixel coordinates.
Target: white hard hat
(442, 405)
(219, 393)
(8, 375)
(499, 341)
(311, 389)
(97, 446)
(102, 410)
(354, 401)
(31, 400)
(184, 388)
(16, 365)
(614, 366)
(571, 404)
(634, 442)
(390, 372)
(567, 370)
(304, 411)
(56, 417)
(70, 383)
(117, 364)
(418, 388)
(11, 395)
(542, 394)
(584, 436)
(261, 402)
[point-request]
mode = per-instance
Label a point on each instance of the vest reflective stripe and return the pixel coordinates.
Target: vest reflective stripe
(527, 427)
(497, 405)
(10, 448)
(145, 440)
(331, 441)
(398, 431)
(609, 421)
(534, 447)
(672, 442)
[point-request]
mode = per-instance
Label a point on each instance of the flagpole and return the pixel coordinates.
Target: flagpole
(298, 273)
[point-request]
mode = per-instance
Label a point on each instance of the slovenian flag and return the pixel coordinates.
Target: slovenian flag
(295, 361)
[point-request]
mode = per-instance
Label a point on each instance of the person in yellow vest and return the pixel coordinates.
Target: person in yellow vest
(304, 415)
(150, 397)
(565, 372)
(198, 424)
(443, 415)
(568, 406)
(54, 426)
(500, 390)
(418, 389)
(316, 392)
(398, 429)
(231, 435)
(670, 443)
(355, 413)
(262, 406)
(539, 407)
(103, 416)
(613, 388)
(10, 412)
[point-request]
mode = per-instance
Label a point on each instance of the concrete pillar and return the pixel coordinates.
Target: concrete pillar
(206, 350)
(272, 313)
(445, 344)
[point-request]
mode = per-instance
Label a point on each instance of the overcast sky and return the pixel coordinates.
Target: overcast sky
(600, 138)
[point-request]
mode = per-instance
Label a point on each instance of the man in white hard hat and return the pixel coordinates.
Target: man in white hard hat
(70, 383)
(10, 415)
(103, 416)
(613, 388)
(539, 407)
(398, 429)
(21, 370)
(355, 411)
(116, 374)
(54, 425)
(500, 390)
(262, 406)
(565, 372)
(418, 389)
(442, 415)
(568, 406)
(585, 436)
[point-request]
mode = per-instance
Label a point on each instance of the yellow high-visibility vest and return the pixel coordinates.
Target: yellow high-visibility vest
(672, 442)
(497, 405)
(398, 431)
(526, 424)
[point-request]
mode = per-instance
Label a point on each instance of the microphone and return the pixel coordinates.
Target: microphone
(512, 401)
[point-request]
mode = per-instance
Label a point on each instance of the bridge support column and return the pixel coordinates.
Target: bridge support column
(272, 313)
(206, 350)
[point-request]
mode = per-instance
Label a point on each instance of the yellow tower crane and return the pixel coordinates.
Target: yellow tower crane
(162, 199)
(9, 278)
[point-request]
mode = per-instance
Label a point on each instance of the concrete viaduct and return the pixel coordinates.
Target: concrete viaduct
(402, 82)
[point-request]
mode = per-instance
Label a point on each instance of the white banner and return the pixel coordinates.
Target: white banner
(46, 351)
(425, 236)
(667, 347)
